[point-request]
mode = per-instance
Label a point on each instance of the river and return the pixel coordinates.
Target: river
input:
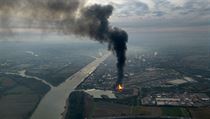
(52, 104)
(22, 73)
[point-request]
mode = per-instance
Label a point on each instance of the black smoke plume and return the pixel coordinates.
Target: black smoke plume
(68, 17)
(119, 39)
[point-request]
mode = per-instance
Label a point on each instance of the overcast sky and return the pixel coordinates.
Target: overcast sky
(160, 15)
(147, 15)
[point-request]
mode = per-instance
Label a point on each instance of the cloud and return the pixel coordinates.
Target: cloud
(195, 7)
(131, 8)
(154, 13)
(160, 7)
(162, 13)
(159, 13)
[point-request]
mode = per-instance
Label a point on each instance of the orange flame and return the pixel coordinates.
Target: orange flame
(119, 87)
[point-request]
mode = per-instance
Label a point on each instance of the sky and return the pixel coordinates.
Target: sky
(160, 15)
(152, 15)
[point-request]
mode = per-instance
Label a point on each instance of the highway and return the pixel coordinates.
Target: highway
(52, 104)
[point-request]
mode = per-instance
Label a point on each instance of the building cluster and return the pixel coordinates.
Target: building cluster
(185, 99)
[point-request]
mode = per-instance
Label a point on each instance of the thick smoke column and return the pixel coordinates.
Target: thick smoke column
(116, 37)
(119, 39)
(68, 17)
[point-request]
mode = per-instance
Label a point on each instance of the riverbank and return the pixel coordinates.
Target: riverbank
(53, 103)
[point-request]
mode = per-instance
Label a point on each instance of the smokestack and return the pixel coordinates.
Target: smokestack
(70, 17)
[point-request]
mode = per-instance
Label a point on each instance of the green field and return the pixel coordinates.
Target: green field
(175, 111)
(19, 96)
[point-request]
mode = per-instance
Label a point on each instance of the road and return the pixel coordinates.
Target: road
(52, 104)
